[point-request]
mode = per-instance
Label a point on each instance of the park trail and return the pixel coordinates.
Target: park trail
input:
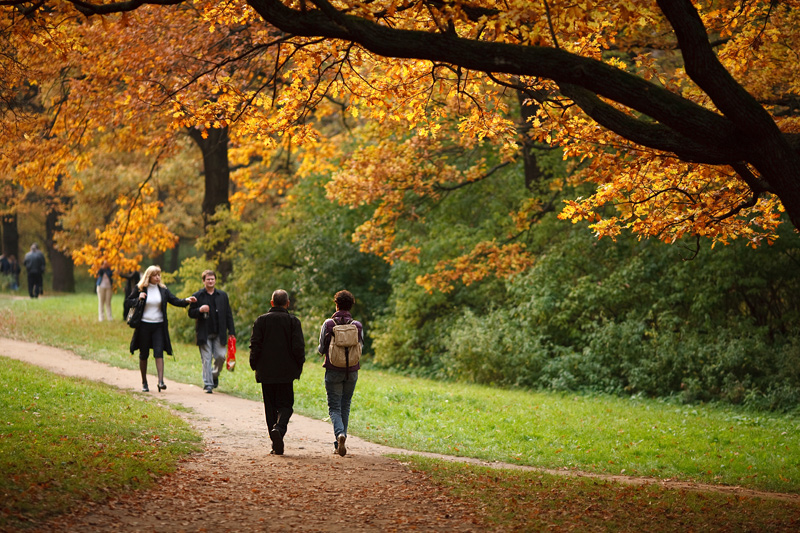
(234, 484)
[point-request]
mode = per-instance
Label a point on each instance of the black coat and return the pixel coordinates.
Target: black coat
(224, 317)
(277, 347)
(166, 296)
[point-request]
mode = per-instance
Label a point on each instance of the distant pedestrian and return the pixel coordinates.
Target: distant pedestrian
(153, 331)
(5, 269)
(131, 280)
(213, 324)
(34, 265)
(340, 381)
(14, 269)
(105, 289)
(277, 354)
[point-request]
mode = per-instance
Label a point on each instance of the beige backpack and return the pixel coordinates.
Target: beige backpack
(345, 350)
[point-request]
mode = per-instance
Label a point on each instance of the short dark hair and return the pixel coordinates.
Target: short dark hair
(344, 300)
(206, 273)
(280, 298)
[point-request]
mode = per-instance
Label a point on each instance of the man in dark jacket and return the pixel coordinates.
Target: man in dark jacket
(277, 354)
(213, 324)
(34, 264)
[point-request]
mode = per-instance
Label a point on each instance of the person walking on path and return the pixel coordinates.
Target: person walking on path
(153, 331)
(340, 383)
(34, 265)
(277, 354)
(213, 324)
(105, 289)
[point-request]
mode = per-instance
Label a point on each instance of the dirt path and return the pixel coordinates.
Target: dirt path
(235, 485)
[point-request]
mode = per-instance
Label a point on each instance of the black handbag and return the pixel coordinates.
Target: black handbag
(135, 313)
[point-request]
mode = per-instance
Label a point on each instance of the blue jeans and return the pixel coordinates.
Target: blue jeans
(340, 393)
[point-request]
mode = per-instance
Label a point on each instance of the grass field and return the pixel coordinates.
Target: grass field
(65, 440)
(599, 434)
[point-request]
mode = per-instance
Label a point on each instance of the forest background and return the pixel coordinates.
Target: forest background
(482, 242)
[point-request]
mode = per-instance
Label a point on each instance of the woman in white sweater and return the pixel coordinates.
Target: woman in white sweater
(153, 331)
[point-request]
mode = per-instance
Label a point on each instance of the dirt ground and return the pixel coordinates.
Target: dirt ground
(236, 485)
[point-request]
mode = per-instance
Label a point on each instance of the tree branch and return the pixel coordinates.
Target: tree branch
(90, 8)
(703, 66)
(652, 135)
(684, 116)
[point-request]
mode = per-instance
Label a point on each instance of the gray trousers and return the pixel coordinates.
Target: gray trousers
(212, 354)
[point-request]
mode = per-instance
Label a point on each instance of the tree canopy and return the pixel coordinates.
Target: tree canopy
(445, 138)
(682, 115)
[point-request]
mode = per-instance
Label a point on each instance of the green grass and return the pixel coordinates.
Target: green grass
(64, 440)
(509, 500)
(600, 434)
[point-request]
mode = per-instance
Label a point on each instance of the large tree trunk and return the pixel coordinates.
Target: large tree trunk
(216, 169)
(61, 264)
(10, 235)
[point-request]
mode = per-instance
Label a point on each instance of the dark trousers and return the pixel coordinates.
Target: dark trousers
(35, 284)
(151, 336)
(278, 404)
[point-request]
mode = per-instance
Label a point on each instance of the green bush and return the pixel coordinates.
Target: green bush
(636, 318)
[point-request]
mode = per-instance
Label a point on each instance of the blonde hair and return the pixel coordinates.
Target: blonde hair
(145, 281)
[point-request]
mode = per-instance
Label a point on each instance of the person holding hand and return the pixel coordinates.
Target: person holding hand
(153, 331)
(213, 325)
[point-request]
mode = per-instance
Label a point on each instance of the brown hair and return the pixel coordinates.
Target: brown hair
(344, 300)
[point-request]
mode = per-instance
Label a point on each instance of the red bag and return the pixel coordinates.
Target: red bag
(230, 362)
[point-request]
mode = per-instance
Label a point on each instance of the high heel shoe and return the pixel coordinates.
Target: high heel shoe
(145, 387)
(161, 386)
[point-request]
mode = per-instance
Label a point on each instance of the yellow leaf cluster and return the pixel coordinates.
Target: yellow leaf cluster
(123, 242)
(485, 259)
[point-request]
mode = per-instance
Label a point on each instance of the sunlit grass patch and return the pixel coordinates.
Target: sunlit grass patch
(64, 440)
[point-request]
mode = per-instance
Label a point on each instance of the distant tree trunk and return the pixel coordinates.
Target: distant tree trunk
(159, 260)
(174, 257)
(216, 169)
(61, 264)
(10, 236)
(533, 173)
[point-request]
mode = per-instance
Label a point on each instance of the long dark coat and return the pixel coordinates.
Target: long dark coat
(277, 347)
(166, 296)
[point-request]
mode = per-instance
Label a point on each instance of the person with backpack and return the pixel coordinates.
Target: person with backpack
(340, 341)
(277, 354)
